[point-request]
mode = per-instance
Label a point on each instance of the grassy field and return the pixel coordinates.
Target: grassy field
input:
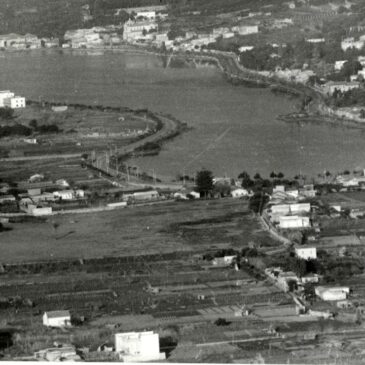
(132, 231)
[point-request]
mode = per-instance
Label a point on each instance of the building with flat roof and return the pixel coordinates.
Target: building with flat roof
(15, 102)
(294, 222)
(138, 346)
(134, 30)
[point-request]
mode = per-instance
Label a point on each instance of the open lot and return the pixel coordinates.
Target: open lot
(139, 230)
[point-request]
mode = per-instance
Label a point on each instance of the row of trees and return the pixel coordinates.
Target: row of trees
(354, 97)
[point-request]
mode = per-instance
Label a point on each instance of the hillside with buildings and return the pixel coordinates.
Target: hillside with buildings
(102, 260)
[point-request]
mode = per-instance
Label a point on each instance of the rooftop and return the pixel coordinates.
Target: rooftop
(58, 314)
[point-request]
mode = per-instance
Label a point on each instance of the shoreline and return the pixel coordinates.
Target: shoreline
(167, 128)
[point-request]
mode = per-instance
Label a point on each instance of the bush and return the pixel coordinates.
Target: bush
(6, 113)
(16, 130)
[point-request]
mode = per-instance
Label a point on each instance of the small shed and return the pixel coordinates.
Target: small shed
(61, 318)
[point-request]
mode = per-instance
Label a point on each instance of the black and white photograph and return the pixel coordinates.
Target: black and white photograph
(182, 181)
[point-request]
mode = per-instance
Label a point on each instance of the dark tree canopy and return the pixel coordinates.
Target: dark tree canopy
(204, 181)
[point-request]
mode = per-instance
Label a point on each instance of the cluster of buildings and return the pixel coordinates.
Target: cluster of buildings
(93, 37)
(37, 202)
(40, 195)
(351, 42)
(27, 41)
(286, 211)
(128, 347)
(8, 99)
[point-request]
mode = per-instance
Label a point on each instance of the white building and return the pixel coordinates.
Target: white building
(246, 48)
(146, 195)
(291, 208)
(342, 86)
(15, 102)
(361, 59)
(294, 222)
(134, 30)
(352, 43)
(146, 14)
(245, 29)
(223, 261)
(57, 319)
(339, 64)
(239, 193)
(30, 140)
(38, 211)
(306, 253)
(6, 94)
(332, 293)
(315, 40)
(64, 194)
(138, 346)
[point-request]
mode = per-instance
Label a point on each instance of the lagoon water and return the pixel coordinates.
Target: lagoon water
(234, 128)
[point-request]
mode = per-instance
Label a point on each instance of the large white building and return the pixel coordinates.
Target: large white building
(8, 99)
(57, 319)
(332, 293)
(134, 30)
(15, 102)
(138, 346)
(291, 208)
(294, 222)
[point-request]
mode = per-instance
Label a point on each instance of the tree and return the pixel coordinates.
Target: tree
(273, 175)
(309, 292)
(204, 181)
(6, 113)
(258, 201)
(280, 175)
(33, 124)
(246, 180)
(257, 176)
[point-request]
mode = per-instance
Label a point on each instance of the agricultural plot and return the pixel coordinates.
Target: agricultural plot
(73, 131)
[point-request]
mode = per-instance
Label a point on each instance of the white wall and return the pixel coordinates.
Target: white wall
(306, 253)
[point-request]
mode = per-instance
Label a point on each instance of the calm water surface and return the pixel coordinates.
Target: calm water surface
(234, 128)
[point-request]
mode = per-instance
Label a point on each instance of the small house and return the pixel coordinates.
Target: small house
(306, 253)
(30, 140)
(223, 261)
(60, 318)
(146, 195)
